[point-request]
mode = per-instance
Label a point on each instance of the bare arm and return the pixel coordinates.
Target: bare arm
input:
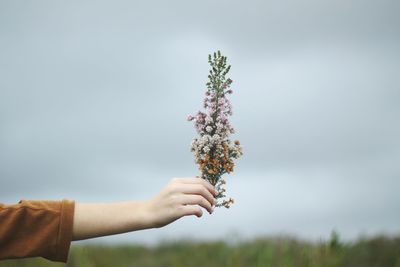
(180, 197)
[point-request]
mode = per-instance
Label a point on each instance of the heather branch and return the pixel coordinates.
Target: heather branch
(214, 151)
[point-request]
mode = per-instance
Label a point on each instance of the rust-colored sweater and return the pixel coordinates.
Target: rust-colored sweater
(36, 228)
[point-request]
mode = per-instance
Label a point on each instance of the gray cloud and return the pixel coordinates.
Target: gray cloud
(93, 100)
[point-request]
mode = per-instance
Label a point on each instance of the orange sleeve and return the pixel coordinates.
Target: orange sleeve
(36, 228)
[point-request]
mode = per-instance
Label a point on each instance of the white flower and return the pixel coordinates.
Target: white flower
(193, 144)
(206, 149)
(206, 138)
(215, 138)
(209, 129)
(208, 119)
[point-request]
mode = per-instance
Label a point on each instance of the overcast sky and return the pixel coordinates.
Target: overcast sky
(94, 96)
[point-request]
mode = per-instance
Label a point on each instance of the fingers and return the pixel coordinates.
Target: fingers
(193, 193)
(195, 180)
(197, 200)
(188, 210)
(197, 190)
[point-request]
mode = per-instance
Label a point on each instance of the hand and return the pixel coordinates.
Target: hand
(180, 197)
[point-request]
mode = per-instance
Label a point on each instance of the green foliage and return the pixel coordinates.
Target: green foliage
(219, 69)
(276, 252)
(334, 243)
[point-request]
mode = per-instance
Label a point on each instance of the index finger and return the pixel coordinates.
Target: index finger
(198, 180)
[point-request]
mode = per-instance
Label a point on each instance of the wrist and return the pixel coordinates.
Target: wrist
(144, 214)
(135, 215)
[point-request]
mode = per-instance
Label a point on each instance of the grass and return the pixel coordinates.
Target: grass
(276, 252)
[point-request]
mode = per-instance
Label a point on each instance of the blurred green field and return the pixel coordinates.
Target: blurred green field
(280, 251)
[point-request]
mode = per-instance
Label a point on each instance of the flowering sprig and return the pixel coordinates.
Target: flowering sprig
(214, 151)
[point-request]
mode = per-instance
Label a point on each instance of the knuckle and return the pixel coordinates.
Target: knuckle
(204, 191)
(205, 203)
(174, 199)
(187, 211)
(194, 211)
(172, 188)
(199, 189)
(198, 199)
(181, 209)
(209, 197)
(175, 180)
(205, 184)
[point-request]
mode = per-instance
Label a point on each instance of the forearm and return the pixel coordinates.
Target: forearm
(100, 219)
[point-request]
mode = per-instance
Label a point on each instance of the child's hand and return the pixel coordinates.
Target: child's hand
(180, 197)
